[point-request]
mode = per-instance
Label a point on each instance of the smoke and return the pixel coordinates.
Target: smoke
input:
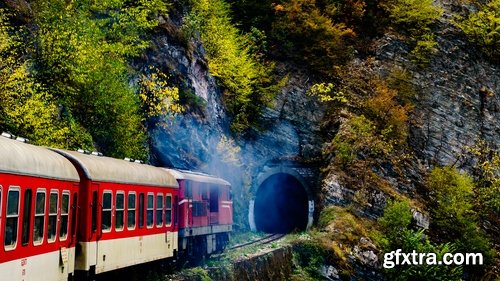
(200, 139)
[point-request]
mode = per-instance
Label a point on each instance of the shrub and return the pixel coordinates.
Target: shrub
(248, 83)
(395, 221)
(483, 28)
(81, 56)
(305, 34)
(26, 108)
(453, 216)
(415, 16)
(357, 137)
(387, 113)
(425, 47)
(395, 224)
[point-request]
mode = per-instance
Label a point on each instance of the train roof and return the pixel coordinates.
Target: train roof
(195, 176)
(107, 169)
(21, 158)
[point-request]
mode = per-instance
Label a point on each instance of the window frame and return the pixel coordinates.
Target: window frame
(119, 192)
(168, 209)
(110, 210)
(134, 210)
(162, 210)
(64, 193)
(57, 221)
(35, 214)
(150, 209)
(13, 188)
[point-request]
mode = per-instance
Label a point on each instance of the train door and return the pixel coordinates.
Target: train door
(91, 251)
(214, 204)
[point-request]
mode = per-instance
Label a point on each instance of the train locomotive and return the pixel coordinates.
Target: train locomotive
(68, 215)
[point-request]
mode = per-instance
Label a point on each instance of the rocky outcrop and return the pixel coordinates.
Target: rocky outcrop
(193, 140)
(458, 98)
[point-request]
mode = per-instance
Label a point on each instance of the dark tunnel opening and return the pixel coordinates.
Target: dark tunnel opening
(281, 205)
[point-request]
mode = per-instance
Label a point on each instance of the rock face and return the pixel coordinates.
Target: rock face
(193, 139)
(458, 97)
(457, 103)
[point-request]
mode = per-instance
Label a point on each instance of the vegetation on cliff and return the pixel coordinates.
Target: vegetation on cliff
(66, 81)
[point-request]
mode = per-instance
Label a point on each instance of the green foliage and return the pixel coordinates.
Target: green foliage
(395, 224)
(487, 174)
(396, 221)
(305, 34)
(248, 84)
(452, 193)
(325, 93)
(26, 108)
(425, 47)
(157, 98)
(483, 28)
(416, 241)
(358, 136)
(327, 216)
(415, 16)
(308, 257)
(81, 56)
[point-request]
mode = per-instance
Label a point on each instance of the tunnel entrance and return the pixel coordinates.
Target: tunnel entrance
(281, 205)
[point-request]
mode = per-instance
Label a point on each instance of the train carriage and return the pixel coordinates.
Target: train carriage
(126, 213)
(205, 213)
(38, 194)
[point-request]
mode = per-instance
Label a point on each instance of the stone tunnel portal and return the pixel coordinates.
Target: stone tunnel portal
(281, 205)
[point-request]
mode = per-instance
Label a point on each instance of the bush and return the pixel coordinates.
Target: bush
(415, 16)
(305, 34)
(425, 47)
(395, 221)
(248, 83)
(26, 108)
(390, 117)
(81, 56)
(395, 224)
(357, 137)
(453, 214)
(482, 28)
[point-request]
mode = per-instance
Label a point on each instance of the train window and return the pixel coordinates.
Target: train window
(107, 198)
(25, 234)
(168, 209)
(38, 230)
(11, 219)
(120, 209)
(199, 209)
(149, 211)
(53, 206)
(131, 211)
(63, 229)
(159, 210)
(141, 210)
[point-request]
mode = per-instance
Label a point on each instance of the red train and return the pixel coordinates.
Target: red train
(65, 213)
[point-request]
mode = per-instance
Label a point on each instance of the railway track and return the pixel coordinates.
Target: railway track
(261, 241)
